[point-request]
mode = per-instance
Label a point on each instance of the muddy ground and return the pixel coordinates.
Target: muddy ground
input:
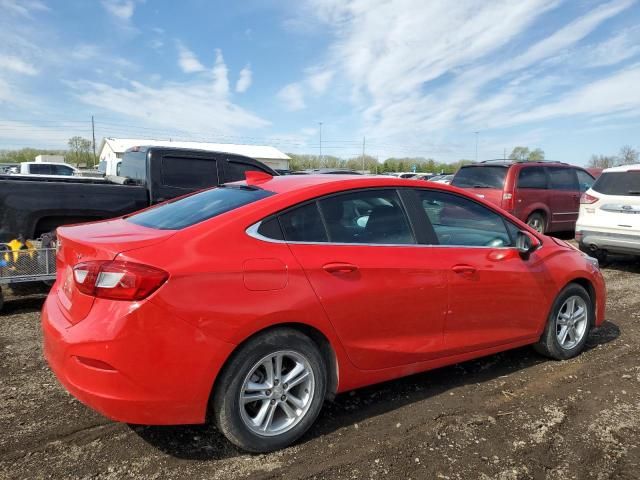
(509, 416)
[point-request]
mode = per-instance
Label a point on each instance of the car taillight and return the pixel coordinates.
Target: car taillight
(118, 280)
(587, 199)
(507, 201)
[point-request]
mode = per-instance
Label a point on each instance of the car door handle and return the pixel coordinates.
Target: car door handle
(339, 267)
(465, 270)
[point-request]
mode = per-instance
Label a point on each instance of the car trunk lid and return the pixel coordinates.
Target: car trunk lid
(95, 241)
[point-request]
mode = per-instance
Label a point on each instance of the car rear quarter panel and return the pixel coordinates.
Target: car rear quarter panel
(231, 286)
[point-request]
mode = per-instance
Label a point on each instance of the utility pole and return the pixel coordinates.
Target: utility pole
(363, 144)
(504, 155)
(93, 134)
(476, 145)
(320, 123)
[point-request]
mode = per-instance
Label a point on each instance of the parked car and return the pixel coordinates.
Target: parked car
(326, 171)
(255, 301)
(545, 195)
(609, 220)
(446, 179)
(49, 169)
(149, 175)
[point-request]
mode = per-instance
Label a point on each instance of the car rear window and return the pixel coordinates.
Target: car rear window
(196, 208)
(480, 177)
(618, 183)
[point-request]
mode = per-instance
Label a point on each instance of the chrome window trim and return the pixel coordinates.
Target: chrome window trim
(252, 231)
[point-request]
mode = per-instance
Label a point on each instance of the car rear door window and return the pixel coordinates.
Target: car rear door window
(532, 177)
(41, 169)
(562, 178)
(189, 173)
(458, 221)
(367, 216)
(303, 224)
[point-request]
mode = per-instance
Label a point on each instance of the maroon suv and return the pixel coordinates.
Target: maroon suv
(546, 195)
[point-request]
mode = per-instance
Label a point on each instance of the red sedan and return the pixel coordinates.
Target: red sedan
(255, 301)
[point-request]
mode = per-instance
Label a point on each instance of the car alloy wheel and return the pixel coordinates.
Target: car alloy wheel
(536, 222)
(571, 322)
(276, 393)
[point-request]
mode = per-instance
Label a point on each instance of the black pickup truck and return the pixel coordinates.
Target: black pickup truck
(34, 206)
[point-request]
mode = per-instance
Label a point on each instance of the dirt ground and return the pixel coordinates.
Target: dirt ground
(509, 416)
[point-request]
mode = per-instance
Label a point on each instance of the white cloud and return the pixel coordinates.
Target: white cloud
(16, 65)
(621, 47)
(85, 51)
(244, 79)
(416, 68)
(188, 61)
(616, 93)
(22, 8)
(319, 80)
(292, 97)
(220, 75)
(121, 9)
(193, 106)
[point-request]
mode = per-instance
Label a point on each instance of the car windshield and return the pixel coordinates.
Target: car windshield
(480, 177)
(618, 183)
(196, 208)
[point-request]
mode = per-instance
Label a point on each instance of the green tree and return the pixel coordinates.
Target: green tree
(80, 150)
(523, 154)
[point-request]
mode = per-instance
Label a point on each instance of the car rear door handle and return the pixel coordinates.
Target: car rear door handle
(465, 270)
(339, 267)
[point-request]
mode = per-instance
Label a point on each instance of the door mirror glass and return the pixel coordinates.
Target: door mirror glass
(526, 243)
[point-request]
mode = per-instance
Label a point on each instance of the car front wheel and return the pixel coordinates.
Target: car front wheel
(271, 391)
(568, 324)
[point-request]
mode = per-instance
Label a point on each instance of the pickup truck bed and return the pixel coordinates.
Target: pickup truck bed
(35, 206)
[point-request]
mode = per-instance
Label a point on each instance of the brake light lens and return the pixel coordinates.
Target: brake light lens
(117, 280)
(587, 199)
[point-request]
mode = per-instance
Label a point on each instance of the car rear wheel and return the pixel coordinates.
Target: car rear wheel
(568, 324)
(537, 221)
(271, 391)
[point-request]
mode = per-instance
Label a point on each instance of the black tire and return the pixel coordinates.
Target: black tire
(538, 222)
(229, 386)
(549, 344)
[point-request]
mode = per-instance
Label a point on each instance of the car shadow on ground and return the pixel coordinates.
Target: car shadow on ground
(206, 443)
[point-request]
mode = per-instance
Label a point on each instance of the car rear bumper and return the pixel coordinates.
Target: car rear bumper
(622, 243)
(133, 363)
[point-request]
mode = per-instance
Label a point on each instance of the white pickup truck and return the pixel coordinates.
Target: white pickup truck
(48, 169)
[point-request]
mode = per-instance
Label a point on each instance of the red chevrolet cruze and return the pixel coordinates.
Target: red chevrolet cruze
(255, 301)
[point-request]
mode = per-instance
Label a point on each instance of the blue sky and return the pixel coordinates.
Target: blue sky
(415, 77)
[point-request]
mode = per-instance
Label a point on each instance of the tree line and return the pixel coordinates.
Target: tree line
(79, 153)
(626, 156)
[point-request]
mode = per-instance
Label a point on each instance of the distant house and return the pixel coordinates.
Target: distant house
(114, 148)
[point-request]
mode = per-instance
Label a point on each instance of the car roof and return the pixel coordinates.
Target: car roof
(623, 168)
(291, 183)
(509, 163)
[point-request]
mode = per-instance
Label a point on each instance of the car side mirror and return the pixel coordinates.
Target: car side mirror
(526, 243)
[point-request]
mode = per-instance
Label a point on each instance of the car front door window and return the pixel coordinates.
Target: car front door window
(458, 221)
